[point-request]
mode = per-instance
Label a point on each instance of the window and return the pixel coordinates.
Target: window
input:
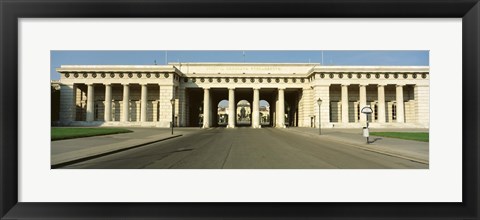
(375, 112)
(394, 111)
(358, 112)
(96, 112)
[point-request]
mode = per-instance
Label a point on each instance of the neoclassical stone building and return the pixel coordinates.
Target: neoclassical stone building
(121, 95)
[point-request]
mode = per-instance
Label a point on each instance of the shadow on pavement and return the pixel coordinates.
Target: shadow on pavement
(376, 139)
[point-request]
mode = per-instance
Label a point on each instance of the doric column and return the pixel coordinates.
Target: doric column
(344, 103)
(90, 102)
(363, 101)
(143, 105)
(381, 103)
(206, 108)
(231, 108)
(126, 103)
(256, 108)
(281, 108)
(400, 108)
(108, 102)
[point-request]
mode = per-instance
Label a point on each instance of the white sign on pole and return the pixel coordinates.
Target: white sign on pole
(367, 110)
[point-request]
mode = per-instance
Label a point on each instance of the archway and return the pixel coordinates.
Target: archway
(194, 107)
(222, 113)
(244, 113)
(265, 113)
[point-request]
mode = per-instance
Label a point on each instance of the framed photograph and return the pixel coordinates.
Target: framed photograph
(276, 102)
(250, 110)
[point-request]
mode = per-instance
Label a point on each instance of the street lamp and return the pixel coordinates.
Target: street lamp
(367, 111)
(319, 102)
(172, 101)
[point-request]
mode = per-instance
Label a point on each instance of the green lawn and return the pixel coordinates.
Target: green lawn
(416, 136)
(61, 133)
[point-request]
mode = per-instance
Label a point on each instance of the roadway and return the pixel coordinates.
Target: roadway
(247, 148)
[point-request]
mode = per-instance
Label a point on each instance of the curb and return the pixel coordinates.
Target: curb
(66, 163)
(388, 153)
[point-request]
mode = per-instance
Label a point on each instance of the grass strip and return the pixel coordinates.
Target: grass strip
(415, 136)
(62, 133)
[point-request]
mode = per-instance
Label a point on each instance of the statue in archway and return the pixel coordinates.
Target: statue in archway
(242, 113)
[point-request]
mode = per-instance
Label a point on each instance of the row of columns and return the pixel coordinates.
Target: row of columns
(255, 108)
(108, 104)
(255, 105)
(381, 102)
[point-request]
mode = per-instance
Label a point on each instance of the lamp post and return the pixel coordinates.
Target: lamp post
(367, 111)
(319, 102)
(172, 101)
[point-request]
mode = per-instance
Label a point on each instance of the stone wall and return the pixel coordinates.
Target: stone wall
(67, 103)
(166, 94)
(422, 95)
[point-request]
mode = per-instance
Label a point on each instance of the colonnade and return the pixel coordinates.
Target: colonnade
(255, 107)
(280, 120)
(126, 98)
(381, 102)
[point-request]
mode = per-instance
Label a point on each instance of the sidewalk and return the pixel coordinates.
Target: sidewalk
(412, 150)
(64, 152)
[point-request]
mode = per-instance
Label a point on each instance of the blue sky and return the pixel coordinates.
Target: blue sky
(330, 57)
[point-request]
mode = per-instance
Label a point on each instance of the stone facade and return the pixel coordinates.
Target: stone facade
(142, 95)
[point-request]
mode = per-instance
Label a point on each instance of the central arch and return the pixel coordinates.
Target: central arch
(244, 113)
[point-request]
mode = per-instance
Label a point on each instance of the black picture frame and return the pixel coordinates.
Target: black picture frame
(11, 11)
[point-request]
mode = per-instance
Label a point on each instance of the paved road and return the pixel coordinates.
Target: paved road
(245, 148)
